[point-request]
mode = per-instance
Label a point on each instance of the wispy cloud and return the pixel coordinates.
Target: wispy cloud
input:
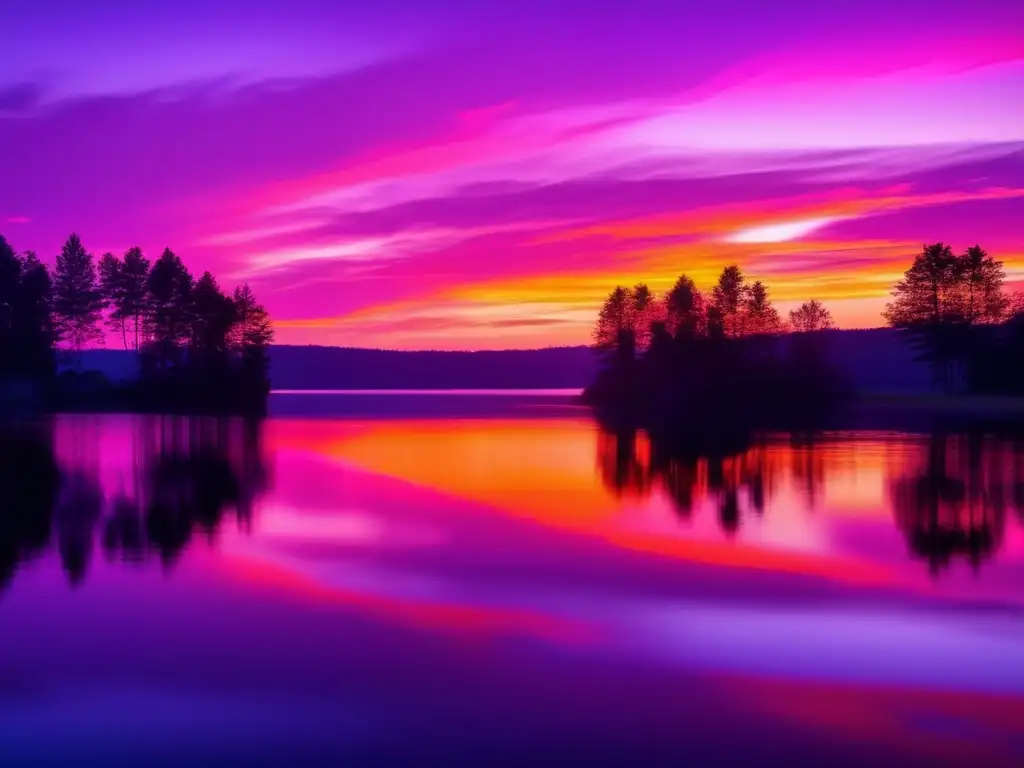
(409, 178)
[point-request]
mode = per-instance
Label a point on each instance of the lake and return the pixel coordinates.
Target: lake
(385, 578)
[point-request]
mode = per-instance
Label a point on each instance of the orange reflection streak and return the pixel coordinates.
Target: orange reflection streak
(915, 721)
(434, 616)
(544, 470)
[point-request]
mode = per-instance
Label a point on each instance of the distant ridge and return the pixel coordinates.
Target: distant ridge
(876, 360)
(294, 367)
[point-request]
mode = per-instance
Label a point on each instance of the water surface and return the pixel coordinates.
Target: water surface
(505, 582)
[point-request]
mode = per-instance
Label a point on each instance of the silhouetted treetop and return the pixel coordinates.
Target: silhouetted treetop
(759, 314)
(169, 284)
(727, 298)
(201, 343)
(616, 315)
(940, 300)
(77, 298)
(685, 308)
(811, 316)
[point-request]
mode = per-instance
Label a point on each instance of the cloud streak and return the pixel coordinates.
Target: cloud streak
(474, 180)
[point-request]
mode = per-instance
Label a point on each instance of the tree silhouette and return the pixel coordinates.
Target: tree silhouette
(10, 279)
(34, 331)
(685, 309)
(642, 313)
(162, 309)
(941, 298)
(811, 316)
(26, 324)
(727, 297)
(213, 315)
(111, 281)
(759, 314)
(10, 285)
(169, 285)
(615, 317)
(252, 337)
(125, 290)
(926, 294)
(980, 287)
(77, 299)
(710, 369)
(133, 294)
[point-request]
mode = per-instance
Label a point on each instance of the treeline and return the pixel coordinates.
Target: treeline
(197, 345)
(961, 319)
(733, 308)
(673, 361)
(675, 357)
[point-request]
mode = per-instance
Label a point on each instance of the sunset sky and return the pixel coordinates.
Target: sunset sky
(448, 174)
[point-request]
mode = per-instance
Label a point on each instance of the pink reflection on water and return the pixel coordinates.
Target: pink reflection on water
(793, 579)
(936, 515)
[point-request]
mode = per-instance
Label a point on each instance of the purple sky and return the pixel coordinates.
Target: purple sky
(444, 174)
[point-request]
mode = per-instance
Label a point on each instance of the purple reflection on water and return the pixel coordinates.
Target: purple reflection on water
(375, 589)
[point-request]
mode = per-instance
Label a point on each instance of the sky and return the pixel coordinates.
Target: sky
(444, 174)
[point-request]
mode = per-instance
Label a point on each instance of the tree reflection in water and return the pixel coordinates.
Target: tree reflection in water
(955, 505)
(950, 499)
(736, 471)
(31, 482)
(189, 475)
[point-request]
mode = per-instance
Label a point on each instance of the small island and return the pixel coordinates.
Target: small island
(695, 367)
(199, 350)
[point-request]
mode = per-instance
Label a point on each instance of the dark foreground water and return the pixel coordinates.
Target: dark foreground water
(384, 581)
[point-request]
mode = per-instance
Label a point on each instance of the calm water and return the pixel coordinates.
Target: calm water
(511, 585)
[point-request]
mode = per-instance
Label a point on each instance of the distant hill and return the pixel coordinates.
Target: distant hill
(311, 367)
(876, 360)
(343, 368)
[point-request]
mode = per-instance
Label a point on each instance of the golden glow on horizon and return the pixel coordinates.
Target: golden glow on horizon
(768, 242)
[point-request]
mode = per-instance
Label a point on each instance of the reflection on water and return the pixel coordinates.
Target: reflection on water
(137, 488)
(949, 495)
(142, 489)
(531, 586)
(145, 487)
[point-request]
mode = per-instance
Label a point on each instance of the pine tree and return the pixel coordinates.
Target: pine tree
(252, 337)
(940, 300)
(759, 316)
(727, 299)
(34, 331)
(77, 299)
(169, 285)
(10, 279)
(213, 317)
(111, 275)
(614, 319)
(685, 309)
(135, 290)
